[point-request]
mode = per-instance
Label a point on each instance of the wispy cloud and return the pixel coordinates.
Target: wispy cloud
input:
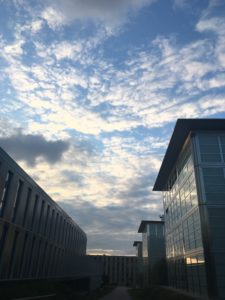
(180, 4)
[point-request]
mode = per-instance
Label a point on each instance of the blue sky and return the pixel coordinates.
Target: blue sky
(90, 91)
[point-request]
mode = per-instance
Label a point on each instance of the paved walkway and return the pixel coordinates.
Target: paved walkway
(119, 293)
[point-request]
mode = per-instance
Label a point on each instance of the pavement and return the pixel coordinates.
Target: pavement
(119, 293)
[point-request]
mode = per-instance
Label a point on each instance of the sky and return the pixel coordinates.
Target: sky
(90, 91)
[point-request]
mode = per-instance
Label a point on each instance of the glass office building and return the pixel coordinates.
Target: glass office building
(192, 178)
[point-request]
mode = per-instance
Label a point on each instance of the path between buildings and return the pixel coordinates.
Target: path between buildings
(119, 293)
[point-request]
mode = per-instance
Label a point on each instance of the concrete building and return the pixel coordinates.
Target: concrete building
(38, 239)
(192, 178)
(153, 252)
(118, 270)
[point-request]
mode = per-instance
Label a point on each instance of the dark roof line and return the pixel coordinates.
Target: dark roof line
(181, 131)
(145, 222)
(136, 243)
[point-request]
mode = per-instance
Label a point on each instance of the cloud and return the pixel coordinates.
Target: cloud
(94, 9)
(212, 8)
(69, 86)
(112, 227)
(72, 176)
(180, 4)
(36, 26)
(211, 24)
(53, 17)
(7, 123)
(108, 16)
(215, 25)
(30, 147)
(67, 50)
(106, 122)
(14, 49)
(138, 188)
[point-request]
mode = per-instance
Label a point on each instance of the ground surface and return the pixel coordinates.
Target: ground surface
(49, 290)
(119, 293)
(158, 293)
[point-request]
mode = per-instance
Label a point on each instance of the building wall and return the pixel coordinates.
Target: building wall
(153, 243)
(120, 270)
(139, 250)
(157, 255)
(145, 255)
(139, 275)
(37, 238)
(184, 248)
(210, 169)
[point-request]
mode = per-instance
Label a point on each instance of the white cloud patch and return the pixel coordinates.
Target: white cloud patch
(36, 26)
(14, 49)
(217, 26)
(53, 17)
(67, 50)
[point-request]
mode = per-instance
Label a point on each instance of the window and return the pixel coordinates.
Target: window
(209, 148)
(54, 262)
(27, 205)
(13, 253)
(17, 199)
(2, 241)
(60, 230)
(34, 211)
(31, 256)
(46, 220)
(36, 265)
(23, 253)
(41, 214)
(66, 234)
(5, 192)
(56, 226)
(63, 231)
(43, 260)
(51, 224)
(222, 144)
(214, 182)
(49, 261)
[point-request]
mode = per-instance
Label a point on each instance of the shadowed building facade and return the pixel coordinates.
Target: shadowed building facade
(118, 270)
(139, 255)
(153, 251)
(38, 239)
(192, 178)
(138, 247)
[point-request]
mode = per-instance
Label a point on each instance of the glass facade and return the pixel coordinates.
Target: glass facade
(153, 247)
(145, 257)
(192, 177)
(184, 249)
(211, 166)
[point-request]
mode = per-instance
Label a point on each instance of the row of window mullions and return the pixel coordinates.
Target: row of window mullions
(27, 267)
(5, 192)
(35, 206)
